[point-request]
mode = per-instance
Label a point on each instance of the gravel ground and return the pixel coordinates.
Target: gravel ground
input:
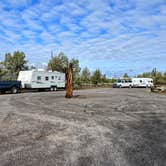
(98, 127)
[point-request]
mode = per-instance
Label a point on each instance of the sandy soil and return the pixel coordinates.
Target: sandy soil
(99, 127)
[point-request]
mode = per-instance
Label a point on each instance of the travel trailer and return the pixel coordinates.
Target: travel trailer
(142, 82)
(134, 82)
(35, 79)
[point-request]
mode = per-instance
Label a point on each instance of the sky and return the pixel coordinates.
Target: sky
(116, 36)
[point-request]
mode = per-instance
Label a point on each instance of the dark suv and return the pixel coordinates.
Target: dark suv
(12, 86)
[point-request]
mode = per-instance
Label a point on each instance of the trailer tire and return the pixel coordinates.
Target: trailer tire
(51, 88)
(55, 88)
(14, 90)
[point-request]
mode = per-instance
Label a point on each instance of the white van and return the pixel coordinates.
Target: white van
(34, 79)
(123, 83)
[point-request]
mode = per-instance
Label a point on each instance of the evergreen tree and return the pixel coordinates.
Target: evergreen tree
(96, 77)
(85, 75)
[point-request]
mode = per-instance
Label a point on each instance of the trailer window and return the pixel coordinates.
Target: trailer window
(140, 81)
(52, 77)
(46, 78)
(59, 78)
(38, 78)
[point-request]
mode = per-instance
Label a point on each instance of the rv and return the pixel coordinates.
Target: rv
(134, 82)
(142, 82)
(35, 79)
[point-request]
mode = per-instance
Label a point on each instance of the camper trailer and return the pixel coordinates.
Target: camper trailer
(134, 82)
(35, 79)
(142, 82)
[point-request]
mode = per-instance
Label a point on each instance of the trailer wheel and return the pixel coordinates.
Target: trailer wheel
(51, 89)
(55, 88)
(14, 90)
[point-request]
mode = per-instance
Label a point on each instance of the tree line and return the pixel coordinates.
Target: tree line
(158, 77)
(84, 76)
(16, 62)
(13, 63)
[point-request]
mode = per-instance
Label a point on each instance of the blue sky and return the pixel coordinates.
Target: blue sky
(116, 36)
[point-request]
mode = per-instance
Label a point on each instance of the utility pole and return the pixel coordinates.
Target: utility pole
(69, 83)
(52, 54)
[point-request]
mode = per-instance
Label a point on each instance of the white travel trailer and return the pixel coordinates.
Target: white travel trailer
(35, 79)
(133, 82)
(142, 82)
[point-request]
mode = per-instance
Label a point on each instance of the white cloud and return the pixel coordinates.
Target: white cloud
(112, 32)
(17, 3)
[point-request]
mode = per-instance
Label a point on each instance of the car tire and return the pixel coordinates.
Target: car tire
(3, 92)
(14, 90)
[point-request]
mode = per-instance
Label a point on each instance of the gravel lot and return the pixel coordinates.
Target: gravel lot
(98, 127)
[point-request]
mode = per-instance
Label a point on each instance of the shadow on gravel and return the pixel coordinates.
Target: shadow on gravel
(143, 142)
(85, 96)
(32, 91)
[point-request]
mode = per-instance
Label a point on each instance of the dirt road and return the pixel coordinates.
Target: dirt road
(99, 127)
